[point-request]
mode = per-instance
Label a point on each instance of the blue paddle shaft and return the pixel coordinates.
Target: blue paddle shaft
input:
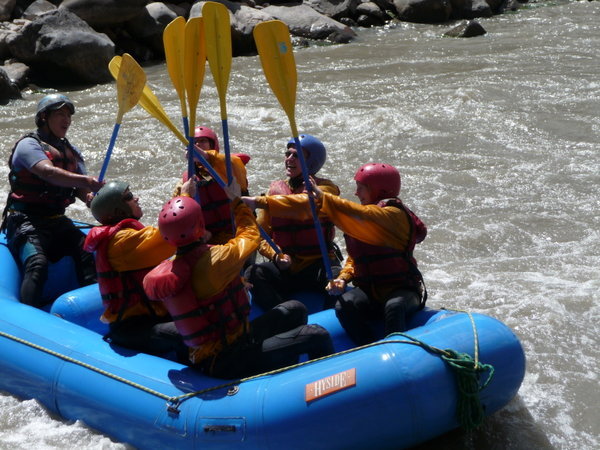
(227, 152)
(111, 145)
(313, 209)
(221, 183)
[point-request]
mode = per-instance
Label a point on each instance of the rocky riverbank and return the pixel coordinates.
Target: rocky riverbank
(57, 43)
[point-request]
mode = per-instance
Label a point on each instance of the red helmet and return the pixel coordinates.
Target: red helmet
(382, 179)
(181, 222)
(209, 134)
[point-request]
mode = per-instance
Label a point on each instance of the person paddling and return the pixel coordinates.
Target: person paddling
(299, 266)
(205, 294)
(214, 201)
(47, 173)
(126, 251)
(380, 234)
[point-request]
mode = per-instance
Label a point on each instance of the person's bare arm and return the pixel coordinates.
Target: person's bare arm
(61, 177)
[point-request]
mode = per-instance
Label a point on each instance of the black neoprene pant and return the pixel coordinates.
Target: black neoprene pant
(272, 286)
(38, 241)
(276, 339)
(355, 311)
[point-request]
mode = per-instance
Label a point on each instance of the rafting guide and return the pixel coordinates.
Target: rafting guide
(47, 174)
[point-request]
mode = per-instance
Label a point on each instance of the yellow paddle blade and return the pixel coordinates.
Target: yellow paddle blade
(130, 82)
(194, 64)
(148, 101)
(217, 30)
(277, 58)
(174, 41)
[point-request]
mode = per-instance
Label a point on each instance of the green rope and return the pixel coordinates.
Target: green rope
(467, 371)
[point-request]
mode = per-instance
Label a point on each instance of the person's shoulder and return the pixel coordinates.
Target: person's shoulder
(27, 142)
(328, 186)
(28, 152)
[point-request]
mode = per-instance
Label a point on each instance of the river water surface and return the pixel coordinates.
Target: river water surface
(498, 142)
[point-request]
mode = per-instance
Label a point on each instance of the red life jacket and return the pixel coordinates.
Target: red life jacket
(198, 320)
(386, 265)
(216, 207)
(31, 194)
(119, 290)
(298, 237)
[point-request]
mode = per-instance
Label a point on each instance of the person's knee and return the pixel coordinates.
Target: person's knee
(256, 272)
(249, 272)
(294, 311)
(342, 304)
(407, 302)
(320, 340)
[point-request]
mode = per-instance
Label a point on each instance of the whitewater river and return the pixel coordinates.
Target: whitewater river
(498, 142)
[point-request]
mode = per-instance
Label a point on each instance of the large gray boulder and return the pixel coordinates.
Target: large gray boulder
(8, 90)
(370, 14)
(148, 26)
(61, 48)
(303, 21)
(17, 72)
(6, 9)
(470, 9)
(37, 8)
(105, 13)
(336, 9)
(423, 11)
(466, 29)
(243, 19)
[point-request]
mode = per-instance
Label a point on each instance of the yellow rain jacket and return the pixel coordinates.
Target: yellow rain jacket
(221, 265)
(131, 250)
(265, 203)
(387, 226)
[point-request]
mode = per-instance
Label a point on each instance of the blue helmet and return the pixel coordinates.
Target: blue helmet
(52, 102)
(316, 153)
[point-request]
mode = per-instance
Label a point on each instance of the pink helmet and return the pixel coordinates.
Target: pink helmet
(209, 134)
(382, 179)
(180, 221)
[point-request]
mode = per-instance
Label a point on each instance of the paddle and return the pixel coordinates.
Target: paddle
(173, 41)
(149, 102)
(217, 31)
(130, 82)
(277, 58)
(194, 63)
(221, 183)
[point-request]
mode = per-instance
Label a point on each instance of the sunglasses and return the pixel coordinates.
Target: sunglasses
(128, 197)
(290, 153)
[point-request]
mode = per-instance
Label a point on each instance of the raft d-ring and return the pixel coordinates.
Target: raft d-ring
(173, 406)
(233, 390)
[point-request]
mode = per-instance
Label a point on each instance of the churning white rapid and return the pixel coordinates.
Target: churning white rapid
(498, 142)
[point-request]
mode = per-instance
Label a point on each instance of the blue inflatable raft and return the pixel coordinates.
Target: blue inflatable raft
(395, 393)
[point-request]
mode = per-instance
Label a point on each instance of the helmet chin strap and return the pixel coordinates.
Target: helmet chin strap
(189, 247)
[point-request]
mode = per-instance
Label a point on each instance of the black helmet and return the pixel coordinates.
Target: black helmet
(108, 206)
(52, 102)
